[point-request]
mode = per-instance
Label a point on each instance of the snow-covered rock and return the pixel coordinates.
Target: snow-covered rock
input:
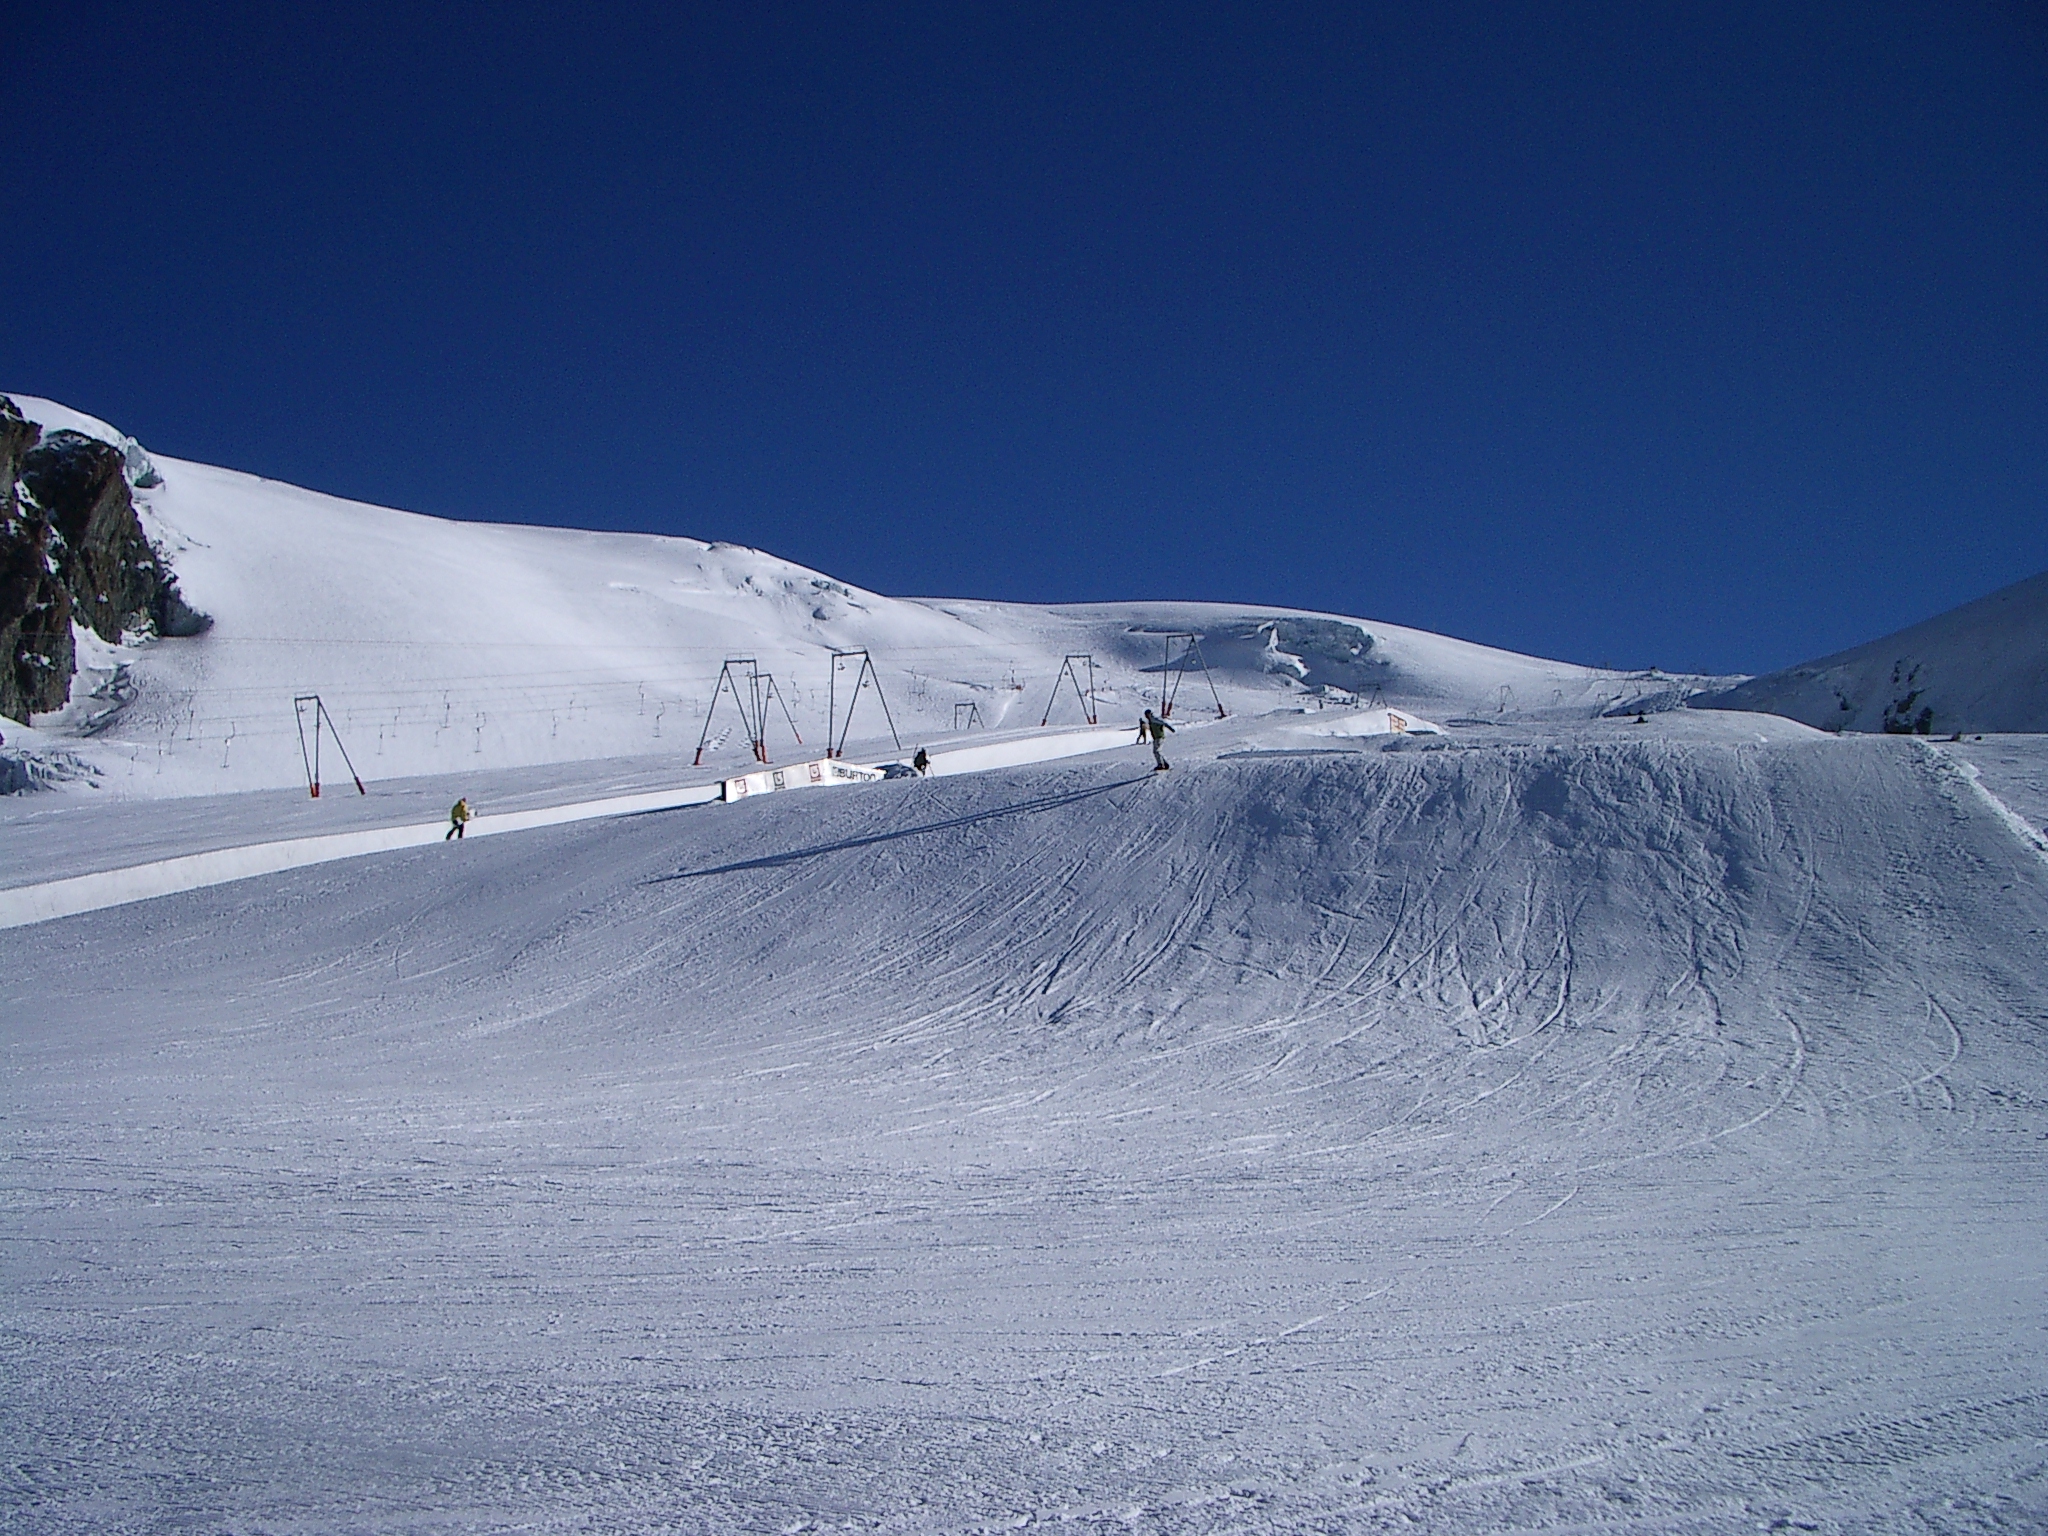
(137, 465)
(74, 558)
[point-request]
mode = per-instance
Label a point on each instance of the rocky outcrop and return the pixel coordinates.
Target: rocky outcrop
(71, 547)
(36, 658)
(16, 438)
(117, 579)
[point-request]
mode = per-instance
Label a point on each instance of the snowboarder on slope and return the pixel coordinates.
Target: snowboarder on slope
(922, 762)
(458, 818)
(1155, 729)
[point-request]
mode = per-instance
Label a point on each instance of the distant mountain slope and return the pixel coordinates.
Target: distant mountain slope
(1980, 667)
(441, 646)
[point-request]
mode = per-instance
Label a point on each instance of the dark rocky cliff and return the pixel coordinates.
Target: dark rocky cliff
(35, 611)
(71, 547)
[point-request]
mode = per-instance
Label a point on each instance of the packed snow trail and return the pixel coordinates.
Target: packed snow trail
(1638, 1130)
(50, 899)
(39, 901)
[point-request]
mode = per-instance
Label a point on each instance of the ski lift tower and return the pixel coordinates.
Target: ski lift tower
(865, 676)
(1070, 673)
(321, 720)
(752, 692)
(1190, 652)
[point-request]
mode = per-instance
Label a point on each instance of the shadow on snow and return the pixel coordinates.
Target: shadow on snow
(1021, 808)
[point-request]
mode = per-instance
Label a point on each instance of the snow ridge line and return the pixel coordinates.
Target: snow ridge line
(27, 904)
(1967, 771)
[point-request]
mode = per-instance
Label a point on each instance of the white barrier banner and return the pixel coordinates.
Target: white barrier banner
(820, 774)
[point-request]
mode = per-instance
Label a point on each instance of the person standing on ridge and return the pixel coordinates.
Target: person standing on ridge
(458, 818)
(1155, 729)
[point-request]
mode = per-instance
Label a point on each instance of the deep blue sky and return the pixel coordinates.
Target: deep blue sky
(1706, 336)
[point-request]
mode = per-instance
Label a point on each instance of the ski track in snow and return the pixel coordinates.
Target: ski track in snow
(1634, 1130)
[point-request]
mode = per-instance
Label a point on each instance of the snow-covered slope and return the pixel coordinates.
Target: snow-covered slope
(1980, 667)
(1601, 1128)
(443, 646)
(1545, 1122)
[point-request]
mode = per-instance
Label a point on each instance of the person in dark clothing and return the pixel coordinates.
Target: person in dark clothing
(922, 762)
(1154, 729)
(458, 818)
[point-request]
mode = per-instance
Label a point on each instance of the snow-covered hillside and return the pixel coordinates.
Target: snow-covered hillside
(1980, 667)
(1602, 1127)
(1555, 1119)
(444, 646)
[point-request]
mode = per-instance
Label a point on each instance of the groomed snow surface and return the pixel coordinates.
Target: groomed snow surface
(1590, 1127)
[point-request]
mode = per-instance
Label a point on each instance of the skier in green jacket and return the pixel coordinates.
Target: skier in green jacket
(1155, 729)
(458, 819)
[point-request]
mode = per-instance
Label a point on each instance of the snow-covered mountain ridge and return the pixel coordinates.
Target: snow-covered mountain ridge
(1980, 667)
(441, 646)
